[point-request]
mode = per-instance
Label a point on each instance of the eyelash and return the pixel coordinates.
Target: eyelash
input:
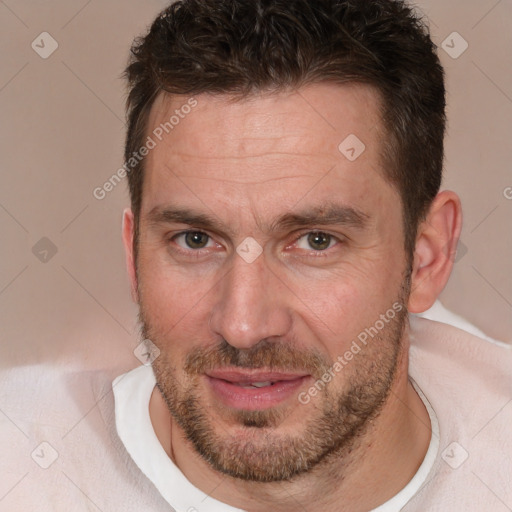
(198, 253)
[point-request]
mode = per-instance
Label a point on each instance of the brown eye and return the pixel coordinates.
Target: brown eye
(319, 241)
(191, 240)
(196, 239)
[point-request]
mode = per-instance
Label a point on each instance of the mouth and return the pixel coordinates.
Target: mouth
(254, 389)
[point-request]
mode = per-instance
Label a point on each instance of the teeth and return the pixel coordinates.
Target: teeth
(256, 384)
(261, 384)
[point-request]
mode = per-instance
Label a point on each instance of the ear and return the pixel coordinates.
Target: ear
(434, 255)
(128, 230)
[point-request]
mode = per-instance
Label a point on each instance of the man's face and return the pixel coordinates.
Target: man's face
(270, 176)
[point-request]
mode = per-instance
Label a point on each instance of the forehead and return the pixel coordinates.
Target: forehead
(266, 147)
(223, 125)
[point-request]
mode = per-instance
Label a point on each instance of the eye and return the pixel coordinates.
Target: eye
(316, 240)
(192, 240)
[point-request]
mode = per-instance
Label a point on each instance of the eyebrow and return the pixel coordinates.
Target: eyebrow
(326, 215)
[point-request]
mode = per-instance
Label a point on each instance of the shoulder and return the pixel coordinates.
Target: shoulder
(61, 446)
(468, 382)
(457, 357)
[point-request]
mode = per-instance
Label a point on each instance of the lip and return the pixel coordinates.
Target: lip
(248, 376)
(225, 386)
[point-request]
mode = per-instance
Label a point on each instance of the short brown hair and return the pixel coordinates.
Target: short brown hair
(243, 47)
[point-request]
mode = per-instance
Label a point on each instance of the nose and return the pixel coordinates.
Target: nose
(250, 305)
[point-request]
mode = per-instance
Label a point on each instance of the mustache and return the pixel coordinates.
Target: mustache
(269, 355)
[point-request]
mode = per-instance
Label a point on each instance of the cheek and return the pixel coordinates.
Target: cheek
(340, 306)
(337, 314)
(173, 304)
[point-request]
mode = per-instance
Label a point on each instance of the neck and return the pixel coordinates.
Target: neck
(397, 438)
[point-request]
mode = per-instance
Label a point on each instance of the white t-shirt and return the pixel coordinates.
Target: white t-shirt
(60, 450)
(132, 393)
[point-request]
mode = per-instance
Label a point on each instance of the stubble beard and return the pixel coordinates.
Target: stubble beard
(254, 450)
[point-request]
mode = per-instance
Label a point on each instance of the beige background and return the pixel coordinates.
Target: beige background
(62, 133)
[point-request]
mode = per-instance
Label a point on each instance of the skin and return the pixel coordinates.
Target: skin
(245, 163)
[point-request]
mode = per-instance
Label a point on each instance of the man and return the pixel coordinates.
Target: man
(284, 159)
(285, 219)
